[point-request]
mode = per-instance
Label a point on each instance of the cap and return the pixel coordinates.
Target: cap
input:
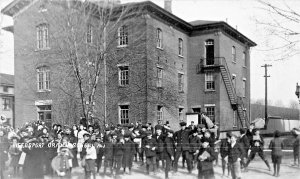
(182, 123)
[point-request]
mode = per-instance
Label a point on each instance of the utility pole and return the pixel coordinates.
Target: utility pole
(266, 93)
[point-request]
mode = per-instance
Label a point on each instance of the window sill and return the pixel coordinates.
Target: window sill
(234, 62)
(210, 90)
(42, 49)
(123, 86)
(181, 56)
(122, 46)
(234, 126)
(244, 67)
(159, 87)
(43, 91)
(160, 48)
(6, 109)
(180, 91)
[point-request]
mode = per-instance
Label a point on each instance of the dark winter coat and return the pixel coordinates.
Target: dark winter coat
(195, 143)
(235, 152)
(169, 148)
(182, 139)
(129, 151)
(151, 143)
(207, 164)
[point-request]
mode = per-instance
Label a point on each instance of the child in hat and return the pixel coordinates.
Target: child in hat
(276, 145)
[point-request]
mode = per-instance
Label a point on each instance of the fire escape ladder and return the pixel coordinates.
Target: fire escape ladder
(236, 102)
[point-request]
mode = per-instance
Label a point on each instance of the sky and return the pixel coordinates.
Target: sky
(240, 14)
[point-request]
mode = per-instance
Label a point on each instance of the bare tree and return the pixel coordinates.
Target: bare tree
(281, 25)
(85, 54)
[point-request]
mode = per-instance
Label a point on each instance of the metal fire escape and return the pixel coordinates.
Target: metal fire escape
(235, 101)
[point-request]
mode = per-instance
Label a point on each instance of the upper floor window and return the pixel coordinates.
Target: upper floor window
(209, 52)
(159, 113)
(42, 36)
(159, 76)
(234, 118)
(209, 81)
(123, 35)
(5, 89)
(233, 53)
(89, 33)
(159, 38)
(244, 59)
(6, 103)
(43, 78)
(123, 75)
(244, 87)
(180, 82)
(180, 47)
(124, 114)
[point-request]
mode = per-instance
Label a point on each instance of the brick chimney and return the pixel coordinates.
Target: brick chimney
(168, 5)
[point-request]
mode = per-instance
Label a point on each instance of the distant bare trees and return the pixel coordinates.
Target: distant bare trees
(281, 21)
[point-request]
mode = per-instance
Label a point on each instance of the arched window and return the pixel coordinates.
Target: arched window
(180, 47)
(42, 36)
(123, 35)
(209, 52)
(89, 33)
(43, 78)
(159, 38)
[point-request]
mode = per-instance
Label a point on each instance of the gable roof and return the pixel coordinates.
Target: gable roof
(17, 5)
(6, 79)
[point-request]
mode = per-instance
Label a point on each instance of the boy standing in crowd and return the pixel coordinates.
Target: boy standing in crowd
(276, 145)
(149, 146)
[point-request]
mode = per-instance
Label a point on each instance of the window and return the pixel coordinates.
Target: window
(196, 110)
(209, 52)
(244, 59)
(123, 75)
(123, 35)
(159, 77)
(159, 38)
(180, 47)
(209, 81)
(89, 33)
(43, 78)
(180, 82)
(159, 113)
(233, 79)
(43, 36)
(5, 89)
(234, 118)
(180, 114)
(233, 53)
(124, 114)
(244, 87)
(210, 112)
(44, 113)
(6, 103)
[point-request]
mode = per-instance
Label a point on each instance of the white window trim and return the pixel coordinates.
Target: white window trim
(209, 105)
(159, 45)
(196, 106)
(162, 112)
(119, 35)
(235, 120)
(119, 109)
(43, 102)
(244, 82)
(119, 72)
(182, 82)
(233, 49)
(44, 79)
(206, 89)
(162, 77)
(180, 40)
